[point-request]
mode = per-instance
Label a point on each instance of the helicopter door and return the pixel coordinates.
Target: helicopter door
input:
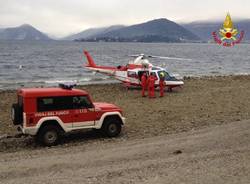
(140, 73)
(155, 75)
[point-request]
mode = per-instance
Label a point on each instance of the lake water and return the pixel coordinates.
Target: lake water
(47, 63)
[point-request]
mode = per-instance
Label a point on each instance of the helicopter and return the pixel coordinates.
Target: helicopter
(130, 74)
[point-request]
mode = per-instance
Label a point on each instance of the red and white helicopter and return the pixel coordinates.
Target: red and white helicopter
(131, 74)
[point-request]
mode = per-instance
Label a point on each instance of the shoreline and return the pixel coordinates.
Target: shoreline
(114, 81)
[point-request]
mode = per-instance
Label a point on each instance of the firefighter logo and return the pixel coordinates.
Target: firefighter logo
(228, 34)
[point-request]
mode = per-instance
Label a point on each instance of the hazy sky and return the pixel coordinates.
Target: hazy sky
(62, 17)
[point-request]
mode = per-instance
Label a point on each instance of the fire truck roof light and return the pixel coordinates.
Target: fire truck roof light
(67, 85)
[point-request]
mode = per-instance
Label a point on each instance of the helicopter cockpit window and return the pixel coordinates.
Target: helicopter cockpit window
(166, 74)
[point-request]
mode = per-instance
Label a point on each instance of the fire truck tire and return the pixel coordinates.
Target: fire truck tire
(49, 135)
(112, 126)
(16, 114)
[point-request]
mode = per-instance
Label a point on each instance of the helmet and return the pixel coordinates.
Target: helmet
(162, 74)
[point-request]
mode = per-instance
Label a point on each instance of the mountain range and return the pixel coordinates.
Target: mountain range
(89, 33)
(23, 32)
(158, 30)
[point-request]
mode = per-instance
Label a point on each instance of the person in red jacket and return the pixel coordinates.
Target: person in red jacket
(162, 84)
(143, 83)
(151, 85)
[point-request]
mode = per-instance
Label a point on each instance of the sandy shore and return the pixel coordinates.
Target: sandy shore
(202, 102)
(199, 134)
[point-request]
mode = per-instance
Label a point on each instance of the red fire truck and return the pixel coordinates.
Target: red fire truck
(47, 113)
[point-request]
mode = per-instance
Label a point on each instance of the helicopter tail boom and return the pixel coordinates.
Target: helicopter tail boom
(91, 62)
(101, 69)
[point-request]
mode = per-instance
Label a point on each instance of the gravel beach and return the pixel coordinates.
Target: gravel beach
(198, 134)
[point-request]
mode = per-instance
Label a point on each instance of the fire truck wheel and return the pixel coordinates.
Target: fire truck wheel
(112, 127)
(16, 114)
(49, 135)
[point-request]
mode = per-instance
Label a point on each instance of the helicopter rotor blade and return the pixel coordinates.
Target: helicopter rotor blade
(137, 55)
(133, 55)
(160, 57)
(173, 58)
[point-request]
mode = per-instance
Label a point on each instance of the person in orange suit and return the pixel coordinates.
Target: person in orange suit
(151, 85)
(162, 84)
(143, 83)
